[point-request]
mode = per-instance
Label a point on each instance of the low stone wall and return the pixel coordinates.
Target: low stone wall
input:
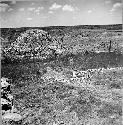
(9, 113)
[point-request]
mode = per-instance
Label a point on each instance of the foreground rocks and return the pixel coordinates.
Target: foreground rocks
(8, 110)
(12, 116)
(50, 101)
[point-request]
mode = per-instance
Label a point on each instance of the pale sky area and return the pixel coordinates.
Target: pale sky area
(40, 13)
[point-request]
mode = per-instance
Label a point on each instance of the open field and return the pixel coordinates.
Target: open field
(80, 86)
(52, 96)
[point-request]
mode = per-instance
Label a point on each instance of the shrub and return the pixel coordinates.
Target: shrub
(31, 43)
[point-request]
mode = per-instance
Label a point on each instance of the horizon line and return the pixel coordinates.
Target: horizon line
(64, 25)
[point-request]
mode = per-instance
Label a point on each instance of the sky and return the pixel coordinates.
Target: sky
(40, 13)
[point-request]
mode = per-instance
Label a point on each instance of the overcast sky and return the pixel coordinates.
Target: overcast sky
(60, 12)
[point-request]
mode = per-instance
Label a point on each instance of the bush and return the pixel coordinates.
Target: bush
(30, 44)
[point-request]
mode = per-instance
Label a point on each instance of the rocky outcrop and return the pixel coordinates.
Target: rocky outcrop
(8, 109)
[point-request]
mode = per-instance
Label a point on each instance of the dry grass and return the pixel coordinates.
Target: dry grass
(42, 102)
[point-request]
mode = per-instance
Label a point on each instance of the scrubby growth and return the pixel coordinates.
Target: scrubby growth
(32, 43)
(61, 42)
(70, 77)
(53, 99)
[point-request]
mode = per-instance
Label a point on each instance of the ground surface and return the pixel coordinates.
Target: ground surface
(51, 96)
(50, 92)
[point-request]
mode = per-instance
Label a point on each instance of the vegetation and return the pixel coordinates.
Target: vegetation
(51, 92)
(61, 41)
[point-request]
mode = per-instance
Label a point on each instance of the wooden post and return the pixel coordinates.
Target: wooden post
(109, 47)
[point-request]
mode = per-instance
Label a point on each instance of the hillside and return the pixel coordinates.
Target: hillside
(64, 75)
(74, 39)
(60, 95)
(6, 32)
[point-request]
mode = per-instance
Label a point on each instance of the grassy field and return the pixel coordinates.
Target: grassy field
(42, 99)
(46, 92)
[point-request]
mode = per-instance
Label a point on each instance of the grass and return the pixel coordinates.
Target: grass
(49, 101)
(44, 102)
